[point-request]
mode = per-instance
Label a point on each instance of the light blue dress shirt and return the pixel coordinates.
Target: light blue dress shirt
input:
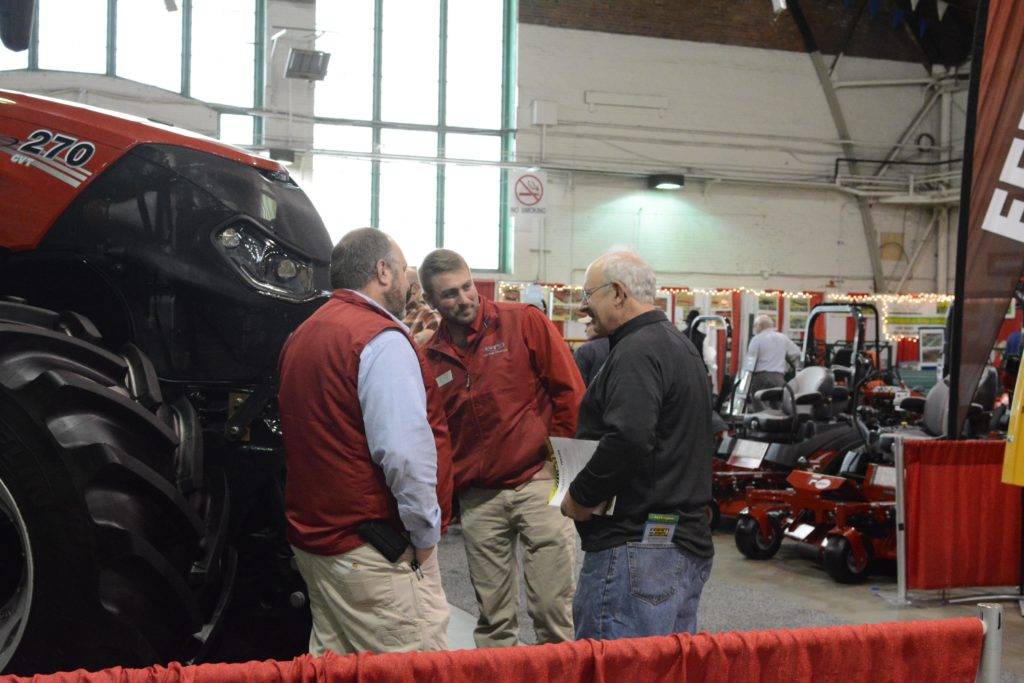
(394, 404)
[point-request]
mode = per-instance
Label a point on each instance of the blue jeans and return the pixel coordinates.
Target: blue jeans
(638, 590)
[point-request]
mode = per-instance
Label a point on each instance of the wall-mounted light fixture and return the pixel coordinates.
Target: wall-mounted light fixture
(665, 181)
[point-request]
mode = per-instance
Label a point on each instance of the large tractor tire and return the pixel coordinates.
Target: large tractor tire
(106, 547)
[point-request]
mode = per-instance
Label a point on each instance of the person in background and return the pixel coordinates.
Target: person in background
(1011, 358)
(591, 355)
(366, 450)
(420, 318)
(508, 381)
(534, 296)
(696, 336)
(649, 409)
(774, 352)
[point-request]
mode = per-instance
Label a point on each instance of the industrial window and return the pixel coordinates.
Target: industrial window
(149, 44)
(10, 59)
(72, 36)
(186, 46)
(223, 51)
(412, 84)
(236, 129)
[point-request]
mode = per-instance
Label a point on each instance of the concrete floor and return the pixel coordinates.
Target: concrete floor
(789, 591)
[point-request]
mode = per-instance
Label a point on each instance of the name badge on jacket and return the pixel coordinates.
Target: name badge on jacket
(495, 349)
(444, 379)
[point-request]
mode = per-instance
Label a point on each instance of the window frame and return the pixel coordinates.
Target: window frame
(506, 132)
(185, 8)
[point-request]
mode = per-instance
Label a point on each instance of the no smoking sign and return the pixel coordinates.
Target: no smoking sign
(527, 190)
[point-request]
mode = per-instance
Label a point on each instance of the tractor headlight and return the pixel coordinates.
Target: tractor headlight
(263, 263)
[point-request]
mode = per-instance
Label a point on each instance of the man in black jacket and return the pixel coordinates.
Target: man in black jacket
(590, 356)
(650, 409)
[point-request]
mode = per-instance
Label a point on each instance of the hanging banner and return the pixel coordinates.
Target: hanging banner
(528, 193)
(990, 254)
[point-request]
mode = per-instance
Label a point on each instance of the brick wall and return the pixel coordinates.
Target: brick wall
(747, 23)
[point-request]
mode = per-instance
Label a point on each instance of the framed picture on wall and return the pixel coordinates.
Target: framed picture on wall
(796, 319)
(565, 304)
(684, 303)
(769, 305)
(930, 341)
(663, 302)
(508, 293)
(721, 304)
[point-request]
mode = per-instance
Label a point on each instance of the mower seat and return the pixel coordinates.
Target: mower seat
(807, 397)
(842, 365)
(935, 408)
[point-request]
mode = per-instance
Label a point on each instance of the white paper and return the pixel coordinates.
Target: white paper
(568, 458)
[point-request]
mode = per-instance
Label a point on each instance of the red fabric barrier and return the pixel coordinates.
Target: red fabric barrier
(947, 650)
(963, 523)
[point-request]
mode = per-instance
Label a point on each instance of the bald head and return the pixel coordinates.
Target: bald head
(618, 287)
(629, 270)
(354, 259)
(369, 261)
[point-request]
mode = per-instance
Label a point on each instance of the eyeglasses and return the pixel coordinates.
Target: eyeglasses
(587, 293)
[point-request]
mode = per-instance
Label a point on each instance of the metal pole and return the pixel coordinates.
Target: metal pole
(901, 525)
(868, 221)
(991, 668)
(917, 252)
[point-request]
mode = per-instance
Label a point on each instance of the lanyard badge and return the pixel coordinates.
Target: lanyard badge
(659, 529)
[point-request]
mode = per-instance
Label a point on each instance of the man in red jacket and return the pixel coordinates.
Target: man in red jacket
(368, 461)
(508, 381)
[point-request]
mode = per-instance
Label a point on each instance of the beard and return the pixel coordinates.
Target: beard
(465, 315)
(395, 299)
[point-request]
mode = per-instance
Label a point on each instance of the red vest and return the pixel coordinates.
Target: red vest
(332, 484)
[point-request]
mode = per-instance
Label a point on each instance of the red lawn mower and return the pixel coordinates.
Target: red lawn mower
(806, 428)
(847, 509)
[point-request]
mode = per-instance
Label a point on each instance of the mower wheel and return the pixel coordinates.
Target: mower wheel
(840, 563)
(98, 547)
(752, 543)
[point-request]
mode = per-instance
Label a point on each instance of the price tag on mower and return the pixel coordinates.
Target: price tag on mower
(898, 397)
(801, 532)
(884, 477)
(748, 454)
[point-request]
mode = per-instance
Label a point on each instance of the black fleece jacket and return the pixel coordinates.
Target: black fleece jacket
(650, 408)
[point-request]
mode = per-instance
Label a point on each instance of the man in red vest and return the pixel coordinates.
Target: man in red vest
(508, 381)
(369, 461)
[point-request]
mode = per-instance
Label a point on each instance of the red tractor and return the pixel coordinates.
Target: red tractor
(148, 278)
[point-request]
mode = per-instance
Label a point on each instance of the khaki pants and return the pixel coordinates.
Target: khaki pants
(493, 520)
(362, 602)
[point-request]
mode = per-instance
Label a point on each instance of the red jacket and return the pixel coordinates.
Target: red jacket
(513, 385)
(332, 484)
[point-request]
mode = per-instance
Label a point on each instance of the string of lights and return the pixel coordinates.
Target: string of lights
(883, 301)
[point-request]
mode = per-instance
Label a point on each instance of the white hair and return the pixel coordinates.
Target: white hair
(633, 273)
(762, 323)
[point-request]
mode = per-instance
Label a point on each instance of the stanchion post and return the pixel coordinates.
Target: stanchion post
(901, 524)
(991, 668)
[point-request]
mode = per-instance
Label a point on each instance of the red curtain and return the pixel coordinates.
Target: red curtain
(946, 650)
(907, 351)
(963, 523)
(486, 289)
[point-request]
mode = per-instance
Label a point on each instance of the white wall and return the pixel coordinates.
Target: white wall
(732, 113)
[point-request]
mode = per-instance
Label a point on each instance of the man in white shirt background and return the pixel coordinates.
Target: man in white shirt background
(774, 352)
